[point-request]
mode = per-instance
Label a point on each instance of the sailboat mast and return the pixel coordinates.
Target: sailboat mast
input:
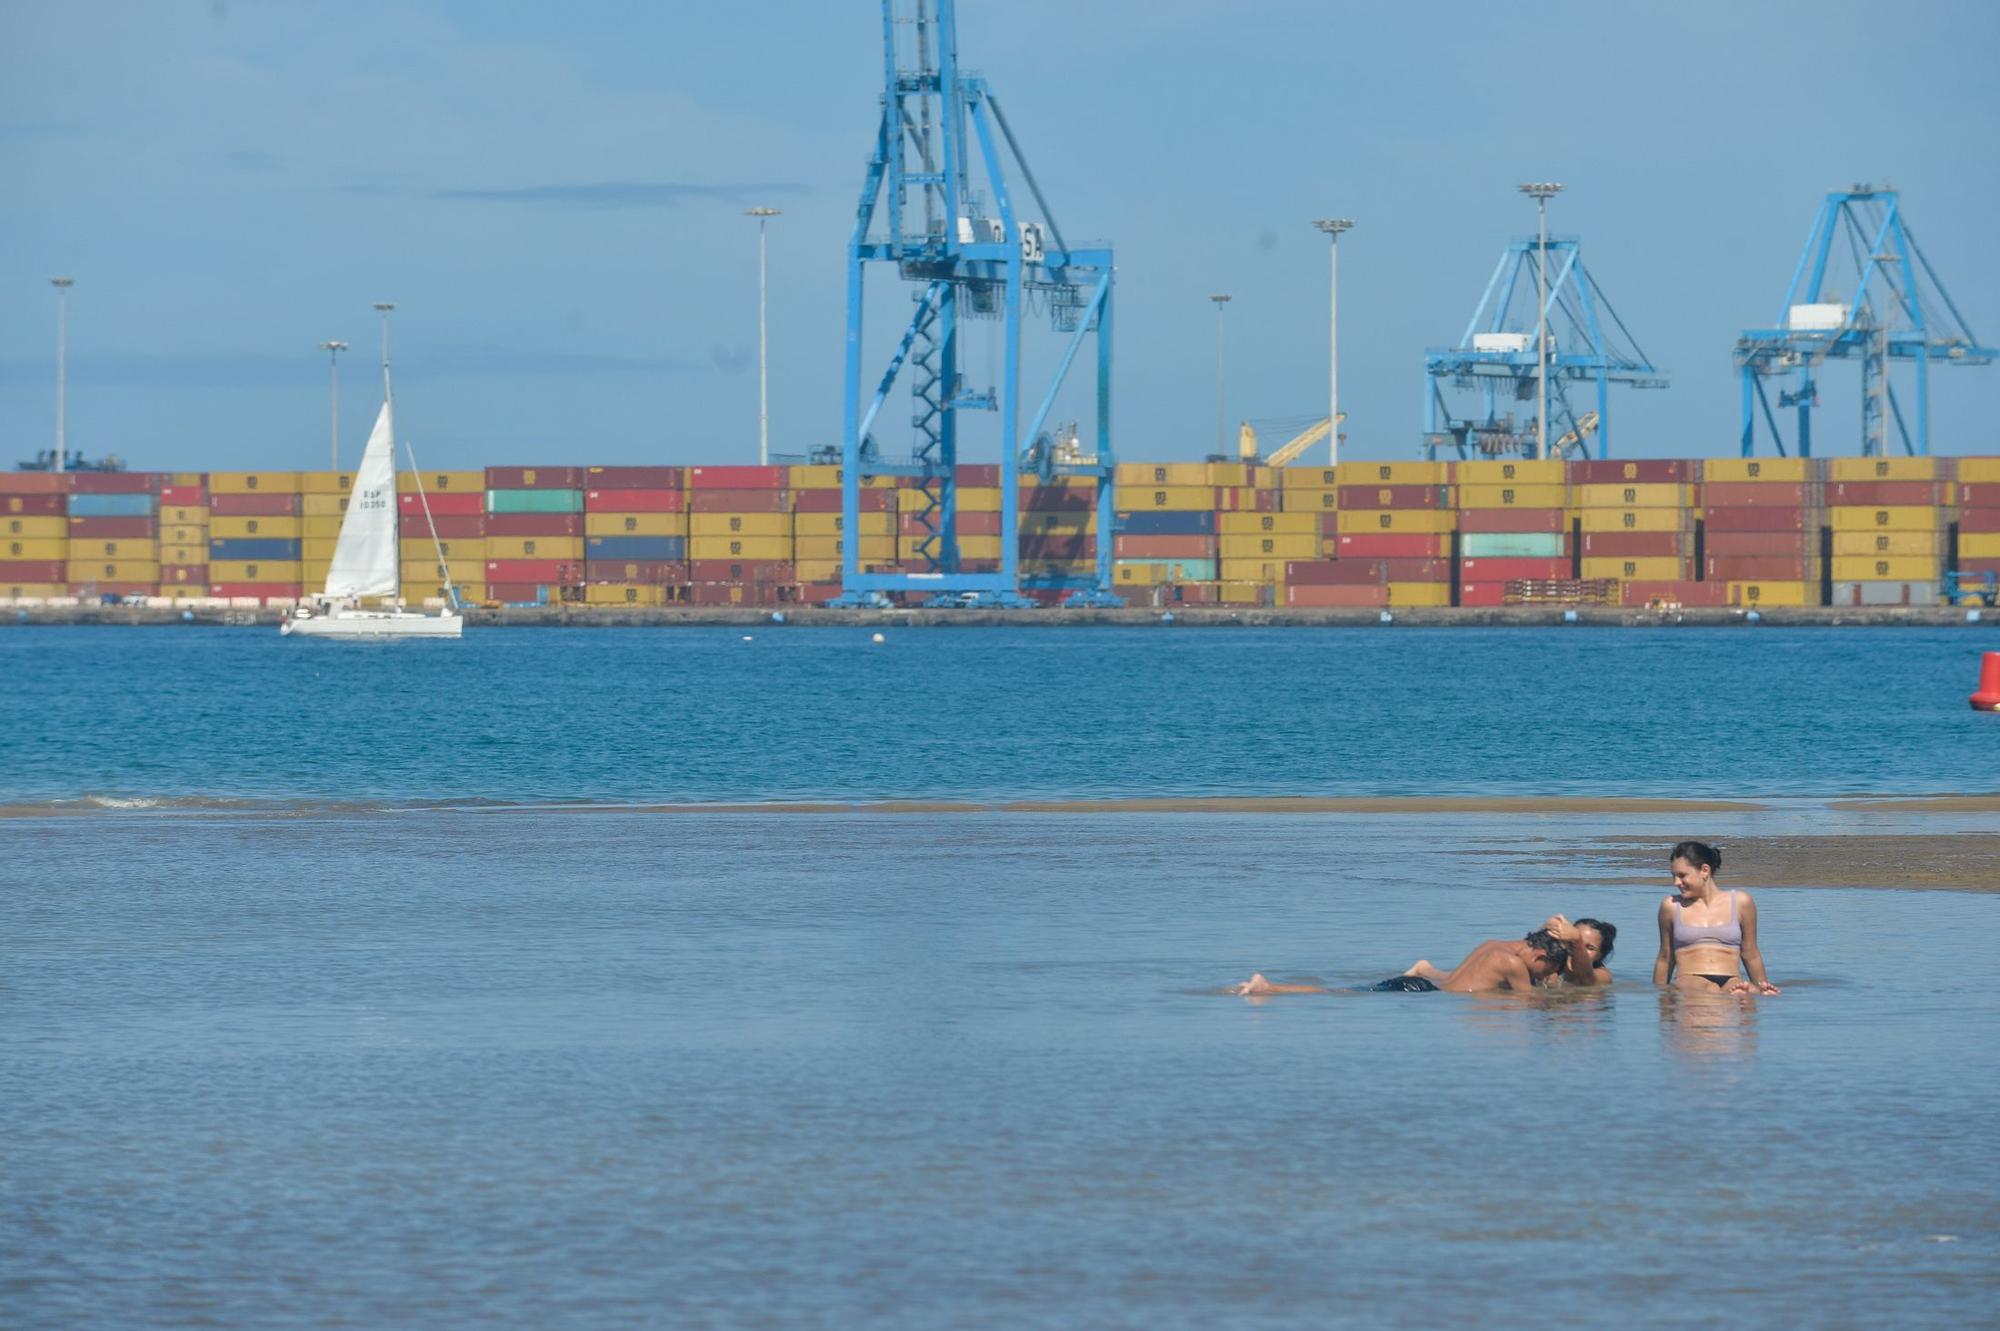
(383, 307)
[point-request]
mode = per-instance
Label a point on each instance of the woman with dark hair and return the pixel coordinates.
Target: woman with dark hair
(1590, 943)
(1708, 935)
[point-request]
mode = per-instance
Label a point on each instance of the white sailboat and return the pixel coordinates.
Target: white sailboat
(366, 559)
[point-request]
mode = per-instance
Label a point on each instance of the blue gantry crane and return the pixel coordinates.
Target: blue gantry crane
(937, 205)
(1898, 310)
(1496, 360)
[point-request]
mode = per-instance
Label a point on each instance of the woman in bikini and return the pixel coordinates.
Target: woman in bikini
(1708, 935)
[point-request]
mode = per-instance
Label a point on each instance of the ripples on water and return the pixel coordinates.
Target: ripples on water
(448, 1070)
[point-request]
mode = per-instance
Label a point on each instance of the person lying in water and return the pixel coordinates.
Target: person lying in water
(1589, 941)
(1498, 964)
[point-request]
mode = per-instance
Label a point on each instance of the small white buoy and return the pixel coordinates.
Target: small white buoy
(878, 638)
(1753, 618)
(1387, 618)
(748, 638)
(1569, 616)
(1972, 616)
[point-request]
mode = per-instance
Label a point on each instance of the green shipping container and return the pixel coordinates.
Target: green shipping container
(534, 501)
(1511, 545)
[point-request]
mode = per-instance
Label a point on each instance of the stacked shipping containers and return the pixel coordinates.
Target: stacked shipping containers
(114, 533)
(740, 536)
(1889, 521)
(34, 520)
(323, 499)
(635, 526)
(1634, 525)
(534, 534)
(456, 504)
(1167, 531)
(184, 537)
(1760, 532)
(1058, 526)
(1978, 495)
(1513, 528)
(255, 536)
(819, 536)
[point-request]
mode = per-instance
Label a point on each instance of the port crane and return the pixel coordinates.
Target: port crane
(1496, 359)
(1286, 453)
(1899, 311)
(938, 205)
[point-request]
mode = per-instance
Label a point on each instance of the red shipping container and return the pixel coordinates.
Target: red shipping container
(556, 572)
(534, 478)
(739, 593)
(450, 526)
(1761, 519)
(1686, 593)
(1508, 570)
(16, 571)
(1482, 594)
(253, 506)
(1512, 519)
(1758, 568)
(1631, 471)
(1757, 494)
(1046, 499)
(980, 475)
(1327, 594)
(1876, 494)
(741, 501)
(91, 529)
(458, 503)
(818, 593)
(1979, 494)
(742, 571)
(260, 590)
(116, 482)
(183, 496)
(1979, 566)
(635, 478)
(1778, 544)
(1163, 547)
(1417, 570)
(1395, 496)
(34, 506)
(183, 575)
(1636, 544)
(828, 501)
(534, 524)
(648, 572)
(1333, 572)
(1979, 520)
(1058, 547)
(33, 482)
(520, 593)
(736, 478)
(635, 501)
(1391, 545)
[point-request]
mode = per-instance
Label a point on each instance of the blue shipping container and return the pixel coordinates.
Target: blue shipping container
(636, 547)
(1165, 523)
(253, 548)
(112, 506)
(1180, 570)
(1512, 545)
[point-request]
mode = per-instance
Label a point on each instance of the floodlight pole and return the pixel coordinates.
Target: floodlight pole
(1333, 226)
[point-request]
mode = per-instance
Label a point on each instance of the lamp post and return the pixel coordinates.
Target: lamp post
(1541, 192)
(1221, 426)
(1333, 226)
(763, 215)
(383, 308)
(333, 350)
(62, 286)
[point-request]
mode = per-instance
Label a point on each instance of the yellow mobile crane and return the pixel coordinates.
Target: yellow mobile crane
(1288, 452)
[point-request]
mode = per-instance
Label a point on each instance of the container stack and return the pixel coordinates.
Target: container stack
(1888, 517)
(1058, 527)
(1760, 529)
(1514, 525)
(740, 536)
(34, 520)
(184, 537)
(323, 497)
(1393, 525)
(819, 538)
(634, 535)
(255, 546)
(534, 534)
(456, 501)
(1634, 525)
(1978, 498)
(114, 533)
(1166, 532)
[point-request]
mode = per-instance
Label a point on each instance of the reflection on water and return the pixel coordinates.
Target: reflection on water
(1709, 1026)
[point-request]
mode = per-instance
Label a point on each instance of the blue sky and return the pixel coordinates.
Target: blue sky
(553, 196)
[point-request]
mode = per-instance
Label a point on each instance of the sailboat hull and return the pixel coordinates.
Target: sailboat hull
(373, 624)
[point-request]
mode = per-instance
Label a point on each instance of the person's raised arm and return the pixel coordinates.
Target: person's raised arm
(1753, 956)
(1663, 965)
(1578, 969)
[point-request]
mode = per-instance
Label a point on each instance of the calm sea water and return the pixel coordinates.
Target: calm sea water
(305, 1066)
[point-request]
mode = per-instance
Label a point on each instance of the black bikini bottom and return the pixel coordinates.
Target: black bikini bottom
(1720, 981)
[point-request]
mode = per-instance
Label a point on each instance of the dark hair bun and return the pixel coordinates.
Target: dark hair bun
(1697, 852)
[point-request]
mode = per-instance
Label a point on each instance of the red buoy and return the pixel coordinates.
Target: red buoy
(1988, 697)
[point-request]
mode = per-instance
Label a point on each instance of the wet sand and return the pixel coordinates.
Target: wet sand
(1943, 862)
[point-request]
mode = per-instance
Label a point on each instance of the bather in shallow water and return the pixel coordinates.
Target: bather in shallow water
(1708, 934)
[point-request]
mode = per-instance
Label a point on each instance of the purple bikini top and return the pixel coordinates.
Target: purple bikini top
(1727, 934)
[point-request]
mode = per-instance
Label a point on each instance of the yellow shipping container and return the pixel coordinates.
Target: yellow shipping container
(325, 483)
(533, 547)
(36, 529)
(195, 553)
(1971, 545)
(623, 593)
(825, 476)
(320, 529)
(1894, 543)
(322, 550)
(969, 547)
(254, 570)
(226, 527)
(1243, 593)
(113, 570)
(1981, 470)
(1635, 519)
(124, 547)
(740, 547)
(1543, 471)
(1887, 568)
(819, 570)
(1849, 517)
(1370, 473)
(36, 548)
(739, 524)
(181, 591)
(1353, 521)
(1304, 499)
(639, 524)
(971, 499)
(1632, 496)
(832, 548)
(1883, 469)
(184, 534)
(1789, 471)
(1279, 546)
(1774, 593)
(419, 550)
(25, 591)
(1143, 574)
(320, 504)
(190, 515)
(253, 482)
(829, 524)
(1655, 568)
(442, 482)
(1247, 524)
(1151, 475)
(1056, 524)
(1525, 495)
(1419, 593)
(1167, 498)
(1264, 572)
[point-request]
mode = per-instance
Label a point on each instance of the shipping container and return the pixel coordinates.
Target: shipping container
(240, 548)
(244, 504)
(742, 571)
(322, 505)
(1174, 498)
(1511, 496)
(1371, 473)
(184, 496)
(1678, 592)
(1334, 572)
(115, 483)
(919, 524)
(35, 548)
(736, 478)
(32, 591)
(634, 501)
(1326, 501)
(120, 505)
(1971, 545)
(1891, 568)
(1401, 520)
(828, 501)
(1496, 472)
(1635, 519)
(326, 482)
(233, 527)
(1335, 596)
(471, 503)
(1513, 520)
(1164, 547)
(17, 571)
(535, 524)
(1761, 568)
(1517, 545)
(1277, 546)
(40, 528)
(1635, 544)
(251, 482)
(1727, 471)
(38, 505)
(622, 593)
(1392, 496)
(254, 570)
(1508, 570)
(635, 524)
(739, 501)
(1761, 519)
(183, 575)
(761, 549)
(1776, 544)
(184, 515)
(553, 572)
(1878, 543)
(447, 526)
(33, 483)
(1902, 518)
(1883, 494)
(1419, 593)
(1387, 545)
(740, 524)
(545, 500)
(1873, 592)
(534, 547)
(1774, 593)
(1759, 494)
(138, 547)
(1632, 496)
(435, 483)
(1176, 523)
(654, 572)
(1261, 524)
(1979, 520)
(1980, 469)
(635, 548)
(532, 478)
(267, 593)
(1840, 470)
(654, 479)
(1631, 471)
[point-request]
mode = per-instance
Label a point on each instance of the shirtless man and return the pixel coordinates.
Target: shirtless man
(1499, 964)
(1589, 942)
